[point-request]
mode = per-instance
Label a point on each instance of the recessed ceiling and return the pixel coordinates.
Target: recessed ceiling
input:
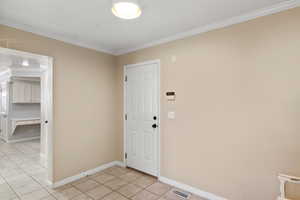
(91, 23)
(15, 62)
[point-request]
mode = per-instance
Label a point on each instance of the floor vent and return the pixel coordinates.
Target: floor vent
(181, 194)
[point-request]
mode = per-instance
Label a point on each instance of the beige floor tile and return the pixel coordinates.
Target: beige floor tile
(6, 193)
(41, 178)
(116, 171)
(9, 173)
(2, 180)
(20, 167)
(145, 181)
(36, 195)
(115, 183)
(59, 189)
(67, 193)
(49, 198)
(96, 174)
(28, 188)
(8, 196)
(87, 185)
(131, 176)
(159, 188)
(4, 187)
(145, 195)
(20, 181)
(114, 196)
(80, 181)
(82, 197)
(129, 190)
(99, 192)
(103, 178)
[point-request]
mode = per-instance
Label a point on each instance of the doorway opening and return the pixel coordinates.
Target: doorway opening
(142, 117)
(26, 116)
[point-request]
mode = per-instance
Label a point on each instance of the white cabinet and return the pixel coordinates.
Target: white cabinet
(26, 92)
(18, 95)
(35, 92)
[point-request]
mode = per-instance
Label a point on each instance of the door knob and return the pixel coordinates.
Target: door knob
(154, 126)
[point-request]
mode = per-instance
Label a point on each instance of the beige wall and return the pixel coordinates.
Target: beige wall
(237, 110)
(84, 98)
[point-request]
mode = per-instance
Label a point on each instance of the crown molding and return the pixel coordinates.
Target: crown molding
(221, 24)
(51, 35)
(217, 25)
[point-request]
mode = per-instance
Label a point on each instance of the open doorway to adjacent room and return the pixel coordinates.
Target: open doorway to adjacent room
(26, 117)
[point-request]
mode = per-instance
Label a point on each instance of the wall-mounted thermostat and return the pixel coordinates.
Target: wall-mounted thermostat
(171, 96)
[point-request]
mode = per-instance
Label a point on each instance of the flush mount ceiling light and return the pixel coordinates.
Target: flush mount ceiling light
(126, 9)
(25, 63)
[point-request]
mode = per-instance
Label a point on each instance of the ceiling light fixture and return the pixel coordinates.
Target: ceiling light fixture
(126, 9)
(25, 63)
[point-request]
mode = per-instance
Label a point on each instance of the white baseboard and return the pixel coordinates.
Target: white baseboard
(179, 185)
(86, 173)
(120, 164)
(191, 189)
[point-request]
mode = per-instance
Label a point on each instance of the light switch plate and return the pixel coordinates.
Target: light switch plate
(171, 115)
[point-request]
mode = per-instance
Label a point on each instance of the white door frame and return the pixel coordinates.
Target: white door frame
(125, 110)
(45, 72)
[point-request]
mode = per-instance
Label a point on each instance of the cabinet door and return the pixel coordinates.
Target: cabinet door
(21, 92)
(35, 93)
(27, 93)
(18, 95)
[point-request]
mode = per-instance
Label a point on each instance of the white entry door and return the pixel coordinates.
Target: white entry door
(142, 117)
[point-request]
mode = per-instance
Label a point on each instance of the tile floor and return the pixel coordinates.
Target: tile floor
(23, 178)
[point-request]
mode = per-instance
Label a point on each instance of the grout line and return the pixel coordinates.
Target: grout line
(25, 145)
(22, 150)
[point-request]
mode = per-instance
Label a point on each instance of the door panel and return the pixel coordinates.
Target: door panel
(142, 101)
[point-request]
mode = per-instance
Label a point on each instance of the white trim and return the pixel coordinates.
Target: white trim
(42, 58)
(157, 61)
(49, 115)
(193, 190)
(120, 164)
(23, 139)
(5, 75)
(26, 73)
(85, 173)
(55, 36)
(43, 160)
(217, 25)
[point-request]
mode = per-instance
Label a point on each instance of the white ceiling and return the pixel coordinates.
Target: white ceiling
(9, 62)
(90, 23)
(13, 60)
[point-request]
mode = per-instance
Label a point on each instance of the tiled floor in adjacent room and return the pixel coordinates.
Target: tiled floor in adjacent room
(22, 177)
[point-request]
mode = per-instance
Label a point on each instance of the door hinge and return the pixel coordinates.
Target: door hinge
(125, 78)
(125, 116)
(125, 155)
